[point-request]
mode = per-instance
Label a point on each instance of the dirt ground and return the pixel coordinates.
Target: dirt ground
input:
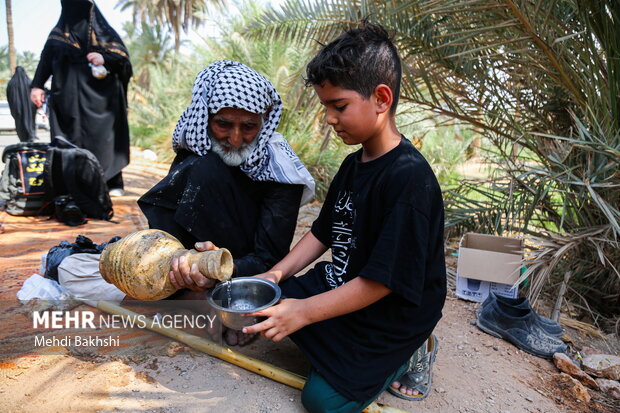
(474, 372)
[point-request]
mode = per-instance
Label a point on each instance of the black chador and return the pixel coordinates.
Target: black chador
(22, 109)
(90, 112)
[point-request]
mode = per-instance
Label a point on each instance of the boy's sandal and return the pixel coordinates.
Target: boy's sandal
(420, 373)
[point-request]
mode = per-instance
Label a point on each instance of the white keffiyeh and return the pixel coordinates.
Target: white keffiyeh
(228, 84)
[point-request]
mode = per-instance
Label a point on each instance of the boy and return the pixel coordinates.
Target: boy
(360, 318)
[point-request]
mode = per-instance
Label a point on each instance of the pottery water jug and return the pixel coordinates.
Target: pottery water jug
(139, 263)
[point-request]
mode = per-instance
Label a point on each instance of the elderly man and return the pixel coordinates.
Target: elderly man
(235, 181)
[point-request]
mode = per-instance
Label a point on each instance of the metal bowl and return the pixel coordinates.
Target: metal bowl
(242, 295)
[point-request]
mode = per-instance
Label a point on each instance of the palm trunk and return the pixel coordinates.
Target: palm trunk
(177, 31)
(9, 28)
(177, 42)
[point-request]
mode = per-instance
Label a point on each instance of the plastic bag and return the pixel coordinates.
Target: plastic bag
(39, 287)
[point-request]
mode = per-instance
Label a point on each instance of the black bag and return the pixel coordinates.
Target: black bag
(76, 172)
(24, 186)
(61, 251)
(67, 212)
(36, 173)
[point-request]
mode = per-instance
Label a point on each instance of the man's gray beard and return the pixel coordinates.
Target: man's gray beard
(230, 155)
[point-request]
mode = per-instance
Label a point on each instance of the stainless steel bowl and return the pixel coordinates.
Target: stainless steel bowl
(247, 295)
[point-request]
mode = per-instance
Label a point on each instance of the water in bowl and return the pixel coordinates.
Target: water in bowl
(242, 305)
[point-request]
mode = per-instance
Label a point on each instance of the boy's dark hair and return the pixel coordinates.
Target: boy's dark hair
(359, 60)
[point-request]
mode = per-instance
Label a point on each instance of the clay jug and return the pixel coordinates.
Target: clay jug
(139, 264)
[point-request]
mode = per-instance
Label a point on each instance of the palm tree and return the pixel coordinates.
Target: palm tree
(148, 47)
(29, 61)
(139, 10)
(540, 81)
(9, 28)
(4, 58)
(177, 15)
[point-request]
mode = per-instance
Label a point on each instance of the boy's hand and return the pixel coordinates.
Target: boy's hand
(182, 276)
(273, 276)
(283, 319)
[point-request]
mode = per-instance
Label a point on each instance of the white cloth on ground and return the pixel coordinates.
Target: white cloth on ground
(37, 286)
(79, 274)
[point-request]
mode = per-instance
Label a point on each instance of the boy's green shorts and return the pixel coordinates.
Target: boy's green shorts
(319, 397)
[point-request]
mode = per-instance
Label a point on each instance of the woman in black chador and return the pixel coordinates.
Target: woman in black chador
(89, 111)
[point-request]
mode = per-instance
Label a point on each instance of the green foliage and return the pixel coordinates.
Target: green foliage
(149, 46)
(540, 81)
(155, 110)
(4, 58)
(446, 154)
(5, 74)
(175, 15)
(445, 146)
(29, 61)
(303, 138)
(156, 106)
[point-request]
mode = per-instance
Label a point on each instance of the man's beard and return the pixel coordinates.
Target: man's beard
(230, 155)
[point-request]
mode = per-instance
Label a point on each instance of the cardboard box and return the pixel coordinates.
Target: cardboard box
(488, 263)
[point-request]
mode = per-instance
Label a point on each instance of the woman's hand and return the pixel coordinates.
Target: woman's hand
(283, 319)
(37, 96)
(183, 276)
(95, 58)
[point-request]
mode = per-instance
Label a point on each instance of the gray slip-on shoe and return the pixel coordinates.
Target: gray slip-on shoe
(552, 328)
(519, 327)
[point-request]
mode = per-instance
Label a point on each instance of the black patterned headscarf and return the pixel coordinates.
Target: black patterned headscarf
(228, 84)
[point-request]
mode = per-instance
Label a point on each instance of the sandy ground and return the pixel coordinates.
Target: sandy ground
(474, 372)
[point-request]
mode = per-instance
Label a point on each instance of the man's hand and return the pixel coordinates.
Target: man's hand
(37, 96)
(283, 319)
(95, 58)
(182, 276)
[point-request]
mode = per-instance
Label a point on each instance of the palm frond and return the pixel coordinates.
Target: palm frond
(540, 81)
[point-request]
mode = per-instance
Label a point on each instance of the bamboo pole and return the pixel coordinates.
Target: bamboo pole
(224, 353)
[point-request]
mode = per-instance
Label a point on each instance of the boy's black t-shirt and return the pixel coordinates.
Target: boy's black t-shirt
(383, 220)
